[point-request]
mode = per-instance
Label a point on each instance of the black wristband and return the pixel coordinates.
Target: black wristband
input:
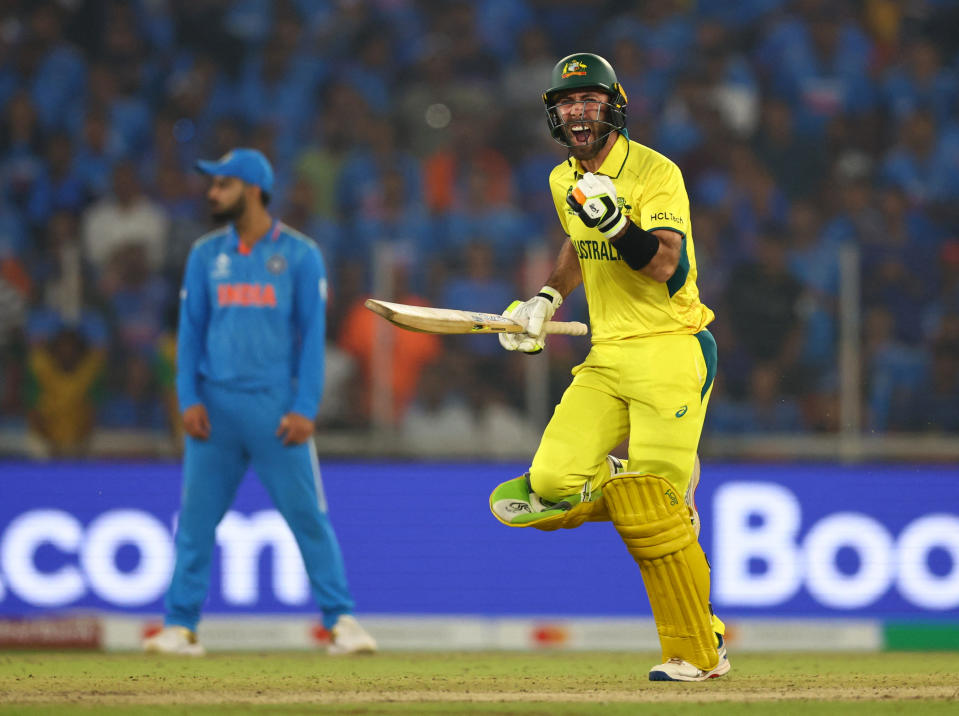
(636, 246)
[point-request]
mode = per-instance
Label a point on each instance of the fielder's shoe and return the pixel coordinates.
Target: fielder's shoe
(678, 670)
(348, 637)
(174, 640)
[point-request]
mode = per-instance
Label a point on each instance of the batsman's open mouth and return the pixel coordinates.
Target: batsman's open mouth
(581, 133)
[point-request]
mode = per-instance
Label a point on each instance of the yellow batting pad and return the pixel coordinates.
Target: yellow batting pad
(653, 520)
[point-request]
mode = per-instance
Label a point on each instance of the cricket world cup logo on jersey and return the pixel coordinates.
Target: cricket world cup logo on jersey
(221, 267)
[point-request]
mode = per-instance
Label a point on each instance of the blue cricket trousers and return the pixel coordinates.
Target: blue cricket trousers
(242, 432)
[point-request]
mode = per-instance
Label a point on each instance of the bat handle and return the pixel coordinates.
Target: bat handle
(567, 328)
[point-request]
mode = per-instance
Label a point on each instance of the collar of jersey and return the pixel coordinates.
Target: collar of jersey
(613, 163)
(272, 234)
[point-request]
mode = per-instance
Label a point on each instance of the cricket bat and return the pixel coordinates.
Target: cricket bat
(449, 320)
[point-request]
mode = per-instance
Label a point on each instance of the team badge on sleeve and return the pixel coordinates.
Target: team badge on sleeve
(276, 264)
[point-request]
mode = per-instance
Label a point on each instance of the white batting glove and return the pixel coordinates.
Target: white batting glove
(593, 198)
(534, 313)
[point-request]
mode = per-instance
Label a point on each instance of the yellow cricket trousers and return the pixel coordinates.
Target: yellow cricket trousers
(653, 389)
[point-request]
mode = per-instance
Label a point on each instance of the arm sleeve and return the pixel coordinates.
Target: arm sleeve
(194, 314)
(310, 316)
(665, 204)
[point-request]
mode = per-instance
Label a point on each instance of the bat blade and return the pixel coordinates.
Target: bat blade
(427, 319)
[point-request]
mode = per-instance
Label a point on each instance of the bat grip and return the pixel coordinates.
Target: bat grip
(567, 328)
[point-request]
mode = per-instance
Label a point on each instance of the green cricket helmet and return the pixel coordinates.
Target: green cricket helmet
(584, 70)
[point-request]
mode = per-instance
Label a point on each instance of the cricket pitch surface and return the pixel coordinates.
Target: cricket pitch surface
(542, 682)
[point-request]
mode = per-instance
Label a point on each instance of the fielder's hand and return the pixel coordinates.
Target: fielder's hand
(294, 429)
(593, 198)
(196, 422)
(534, 313)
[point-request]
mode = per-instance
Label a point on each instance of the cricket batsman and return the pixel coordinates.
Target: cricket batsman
(648, 375)
(249, 380)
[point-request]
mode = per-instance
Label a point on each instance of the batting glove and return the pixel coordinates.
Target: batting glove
(593, 198)
(534, 314)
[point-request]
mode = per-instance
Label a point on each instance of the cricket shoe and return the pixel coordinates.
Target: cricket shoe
(174, 640)
(678, 670)
(348, 637)
(616, 465)
(691, 497)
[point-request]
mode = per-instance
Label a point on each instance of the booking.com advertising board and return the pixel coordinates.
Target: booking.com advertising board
(784, 540)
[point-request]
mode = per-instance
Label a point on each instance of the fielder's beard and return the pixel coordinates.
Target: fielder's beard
(230, 213)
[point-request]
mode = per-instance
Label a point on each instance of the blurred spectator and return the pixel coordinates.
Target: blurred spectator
(14, 288)
(364, 334)
(476, 287)
(136, 404)
(57, 267)
(531, 71)
(798, 165)
(53, 69)
(277, 87)
(396, 218)
(361, 181)
(762, 306)
(177, 197)
(94, 155)
(127, 217)
(920, 81)
(22, 149)
(322, 160)
(813, 260)
(915, 165)
(933, 406)
(58, 187)
(818, 59)
(439, 416)
(895, 371)
(500, 426)
(298, 214)
(433, 99)
(136, 299)
(64, 370)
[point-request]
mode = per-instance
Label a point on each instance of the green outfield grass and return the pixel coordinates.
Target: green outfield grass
(547, 683)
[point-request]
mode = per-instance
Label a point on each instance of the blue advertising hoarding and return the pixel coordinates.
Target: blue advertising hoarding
(418, 538)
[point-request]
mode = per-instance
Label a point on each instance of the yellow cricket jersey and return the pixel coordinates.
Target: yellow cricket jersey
(624, 303)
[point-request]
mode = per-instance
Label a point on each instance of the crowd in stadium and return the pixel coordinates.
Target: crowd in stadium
(800, 127)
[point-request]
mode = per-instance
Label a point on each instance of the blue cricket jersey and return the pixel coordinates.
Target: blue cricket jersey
(253, 319)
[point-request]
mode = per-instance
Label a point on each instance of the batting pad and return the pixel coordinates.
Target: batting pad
(653, 521)
(514, 504)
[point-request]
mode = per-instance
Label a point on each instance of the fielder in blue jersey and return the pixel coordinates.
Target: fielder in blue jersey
(250, 354)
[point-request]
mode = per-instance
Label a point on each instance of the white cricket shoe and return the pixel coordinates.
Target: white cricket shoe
(348, 637)
(616, 465)
(691, 497)
(174, 640)
(678, 670)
